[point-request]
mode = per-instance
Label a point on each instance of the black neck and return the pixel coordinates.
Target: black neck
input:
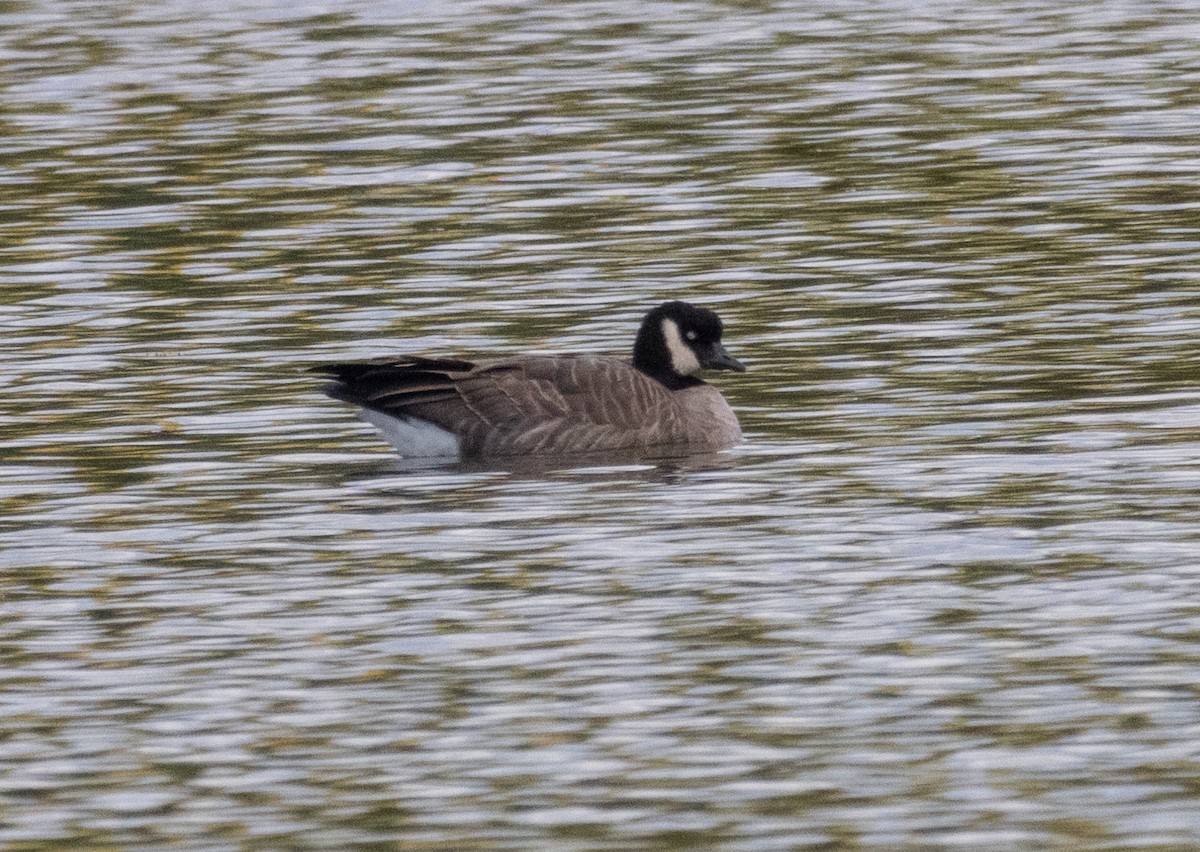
(669, 378)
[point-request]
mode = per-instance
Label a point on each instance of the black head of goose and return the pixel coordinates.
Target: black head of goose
(554, 404)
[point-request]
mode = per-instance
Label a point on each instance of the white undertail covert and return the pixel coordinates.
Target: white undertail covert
(413, 438)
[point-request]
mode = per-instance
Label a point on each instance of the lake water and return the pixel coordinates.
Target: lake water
(945, 595)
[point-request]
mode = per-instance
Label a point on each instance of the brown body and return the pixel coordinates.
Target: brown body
(542, 404)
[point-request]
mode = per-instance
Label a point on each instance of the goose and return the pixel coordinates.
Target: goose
(554, 404)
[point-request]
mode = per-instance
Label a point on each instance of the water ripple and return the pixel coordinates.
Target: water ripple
(940, 596)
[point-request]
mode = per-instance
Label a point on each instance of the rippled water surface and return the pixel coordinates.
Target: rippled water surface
(943, 596)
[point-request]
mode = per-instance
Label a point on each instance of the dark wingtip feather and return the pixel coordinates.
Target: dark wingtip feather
(338, 391)
(404, 362)
(391, 384)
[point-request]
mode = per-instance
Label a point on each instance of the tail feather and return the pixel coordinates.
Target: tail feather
(350, 369)
(393, 384)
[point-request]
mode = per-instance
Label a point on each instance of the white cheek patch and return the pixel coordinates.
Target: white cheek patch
(683, 359)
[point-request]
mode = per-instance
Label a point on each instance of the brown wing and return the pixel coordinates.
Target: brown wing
(568, 405)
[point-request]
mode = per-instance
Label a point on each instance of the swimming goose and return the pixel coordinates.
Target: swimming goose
(554, 404)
